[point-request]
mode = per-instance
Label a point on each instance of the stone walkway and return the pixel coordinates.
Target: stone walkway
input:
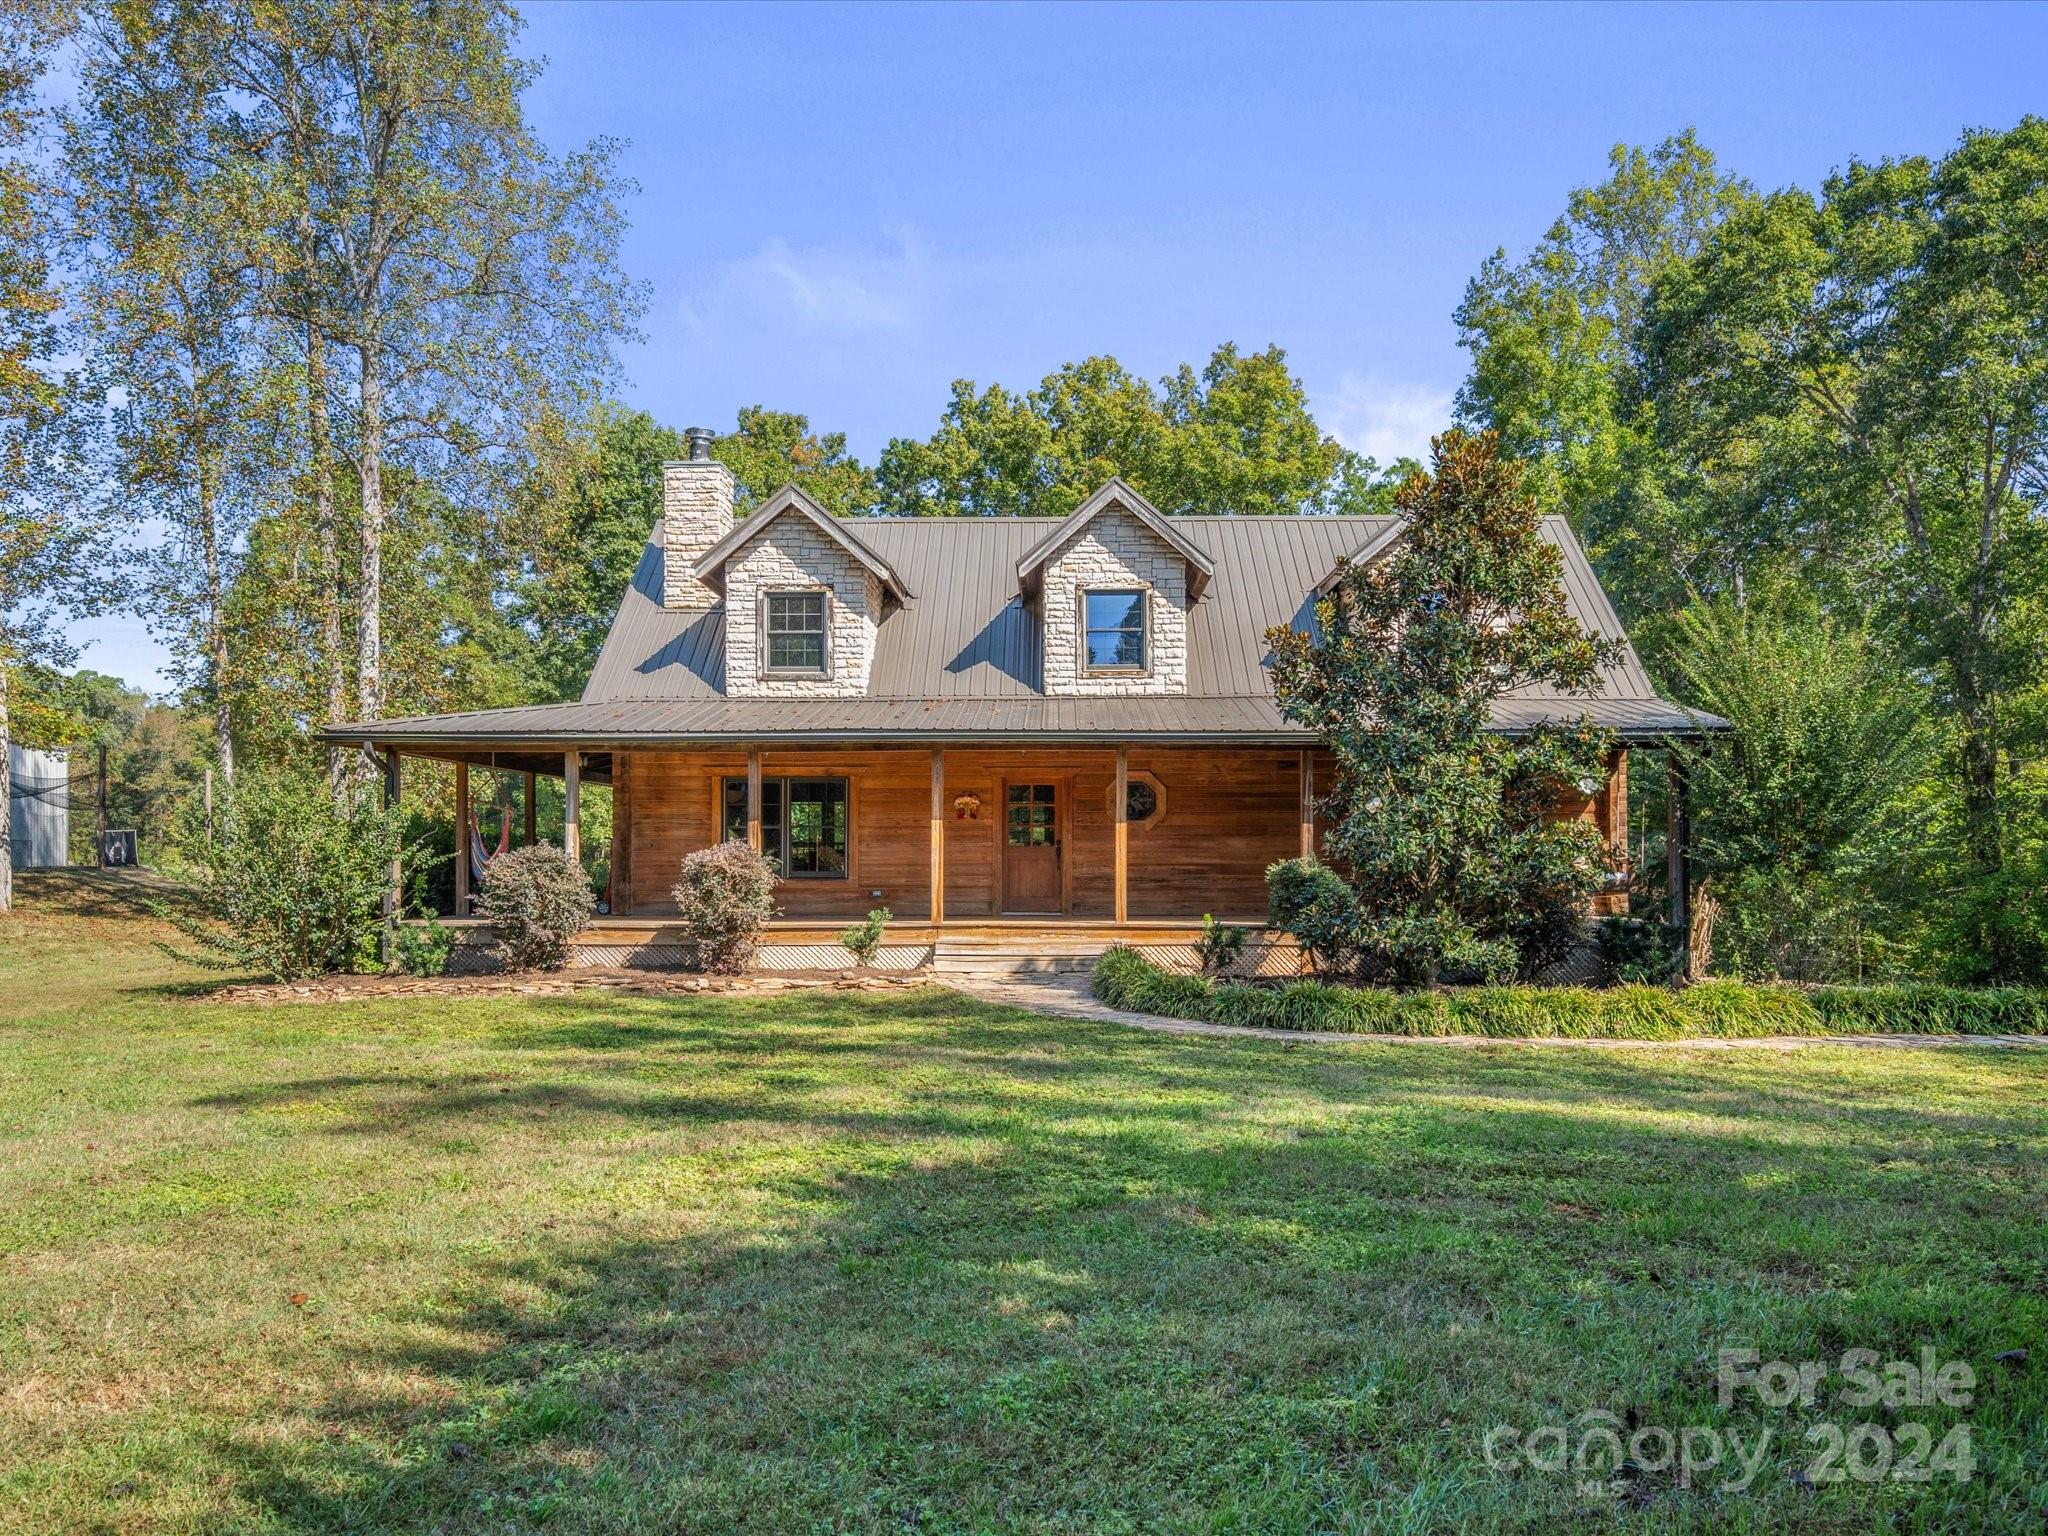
(1067, 996)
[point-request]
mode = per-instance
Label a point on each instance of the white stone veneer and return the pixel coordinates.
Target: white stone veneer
(1115, 550)
(696, 512)
(791, 554)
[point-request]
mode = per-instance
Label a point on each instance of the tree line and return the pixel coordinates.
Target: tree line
(304, 323)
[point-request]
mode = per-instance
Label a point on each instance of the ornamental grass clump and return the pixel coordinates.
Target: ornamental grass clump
(727, 896)
(1708, 1010)
(537, 900)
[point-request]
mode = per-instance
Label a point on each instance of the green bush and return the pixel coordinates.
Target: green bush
(1723, 1009)
(1220, 945)
(727, 895)
(1634, 949)
(424, 948)
(864, 939)
(293, 884)
(536, 900)
(1308, 899)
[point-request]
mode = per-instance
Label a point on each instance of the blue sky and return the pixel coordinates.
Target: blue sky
(842, 209)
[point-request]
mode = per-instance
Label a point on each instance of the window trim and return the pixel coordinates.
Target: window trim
(765, 639)
(721, 783)
(1138, 776)
(1082, 592)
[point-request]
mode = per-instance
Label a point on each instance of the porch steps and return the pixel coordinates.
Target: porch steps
(1015, 954)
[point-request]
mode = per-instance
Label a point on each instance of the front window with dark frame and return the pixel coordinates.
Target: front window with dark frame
(796, 631)
(1114, 624)
(804, 825)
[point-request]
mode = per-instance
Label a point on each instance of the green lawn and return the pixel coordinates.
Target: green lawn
(908, 1263)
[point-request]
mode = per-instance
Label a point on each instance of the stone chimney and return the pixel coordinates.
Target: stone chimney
(696, 512)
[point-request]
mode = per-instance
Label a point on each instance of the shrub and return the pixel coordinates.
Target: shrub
(1309, 900)
(864, 939)
(1634, 949)
(293, 884)
(536, 899)
(727, 895)
(1725, 1009)
(423, 950)
(1220, 945)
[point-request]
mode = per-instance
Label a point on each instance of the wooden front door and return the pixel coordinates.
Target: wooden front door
(1031, 849)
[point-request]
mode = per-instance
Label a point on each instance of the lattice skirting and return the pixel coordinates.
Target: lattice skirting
(473, 956)
(1259, 957)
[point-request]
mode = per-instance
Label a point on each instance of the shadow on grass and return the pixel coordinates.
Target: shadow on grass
(1077, 1279)
(120, 894)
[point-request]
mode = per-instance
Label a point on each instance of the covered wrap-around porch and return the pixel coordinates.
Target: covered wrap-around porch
(1033, 857)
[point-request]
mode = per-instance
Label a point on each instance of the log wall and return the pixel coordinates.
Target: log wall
(1226, 815)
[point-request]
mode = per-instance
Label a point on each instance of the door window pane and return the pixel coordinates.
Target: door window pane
(1033, 815)
(1115, 624)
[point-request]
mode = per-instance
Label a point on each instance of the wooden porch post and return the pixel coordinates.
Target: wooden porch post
(622, 835)
(394, 898)
(1678, 869)
(1308, 807)
(754, 798)
(1617, 806)
(532, 782)
(572, 804)
(462, 839)
(1121, 817)
(938, 903)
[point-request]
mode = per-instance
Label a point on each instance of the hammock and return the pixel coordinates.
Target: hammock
(478, 857)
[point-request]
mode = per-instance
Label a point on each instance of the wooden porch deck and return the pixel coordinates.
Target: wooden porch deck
(982, 946)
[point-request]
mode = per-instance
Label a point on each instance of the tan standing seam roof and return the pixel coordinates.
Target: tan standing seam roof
(960, 660)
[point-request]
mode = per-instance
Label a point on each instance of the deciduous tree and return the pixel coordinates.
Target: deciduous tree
(1238, 437)
(1875, 357)
(45, 525)
(1557, 349)
(1800, 815)
(167, 235)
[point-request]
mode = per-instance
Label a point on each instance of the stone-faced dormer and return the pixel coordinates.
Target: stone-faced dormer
(1113, 584)
(803, 601)
(696, 512)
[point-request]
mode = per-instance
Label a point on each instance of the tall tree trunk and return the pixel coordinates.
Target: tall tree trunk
(321, 449)
(6, 804)
(216, 629)
(1983, 844)
(370, 593)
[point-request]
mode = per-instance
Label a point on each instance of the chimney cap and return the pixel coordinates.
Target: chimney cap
(699, 439)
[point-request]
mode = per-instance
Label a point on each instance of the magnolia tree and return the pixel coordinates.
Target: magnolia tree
(1445, 860)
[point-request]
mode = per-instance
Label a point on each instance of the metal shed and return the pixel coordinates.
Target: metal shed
(38, 808)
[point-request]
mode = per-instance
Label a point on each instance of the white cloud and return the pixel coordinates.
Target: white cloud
(842, 289)
(1385, 419)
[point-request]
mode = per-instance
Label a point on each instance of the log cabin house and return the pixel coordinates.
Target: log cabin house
(1026, 737)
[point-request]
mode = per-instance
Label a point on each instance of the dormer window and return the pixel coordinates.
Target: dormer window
(1117, 632)
(794, 623)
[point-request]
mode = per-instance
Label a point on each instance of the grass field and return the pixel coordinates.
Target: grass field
(911, 1263)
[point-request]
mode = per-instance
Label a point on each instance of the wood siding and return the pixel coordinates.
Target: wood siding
(1226, 815)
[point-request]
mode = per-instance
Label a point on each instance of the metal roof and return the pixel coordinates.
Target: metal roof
(961, 659)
